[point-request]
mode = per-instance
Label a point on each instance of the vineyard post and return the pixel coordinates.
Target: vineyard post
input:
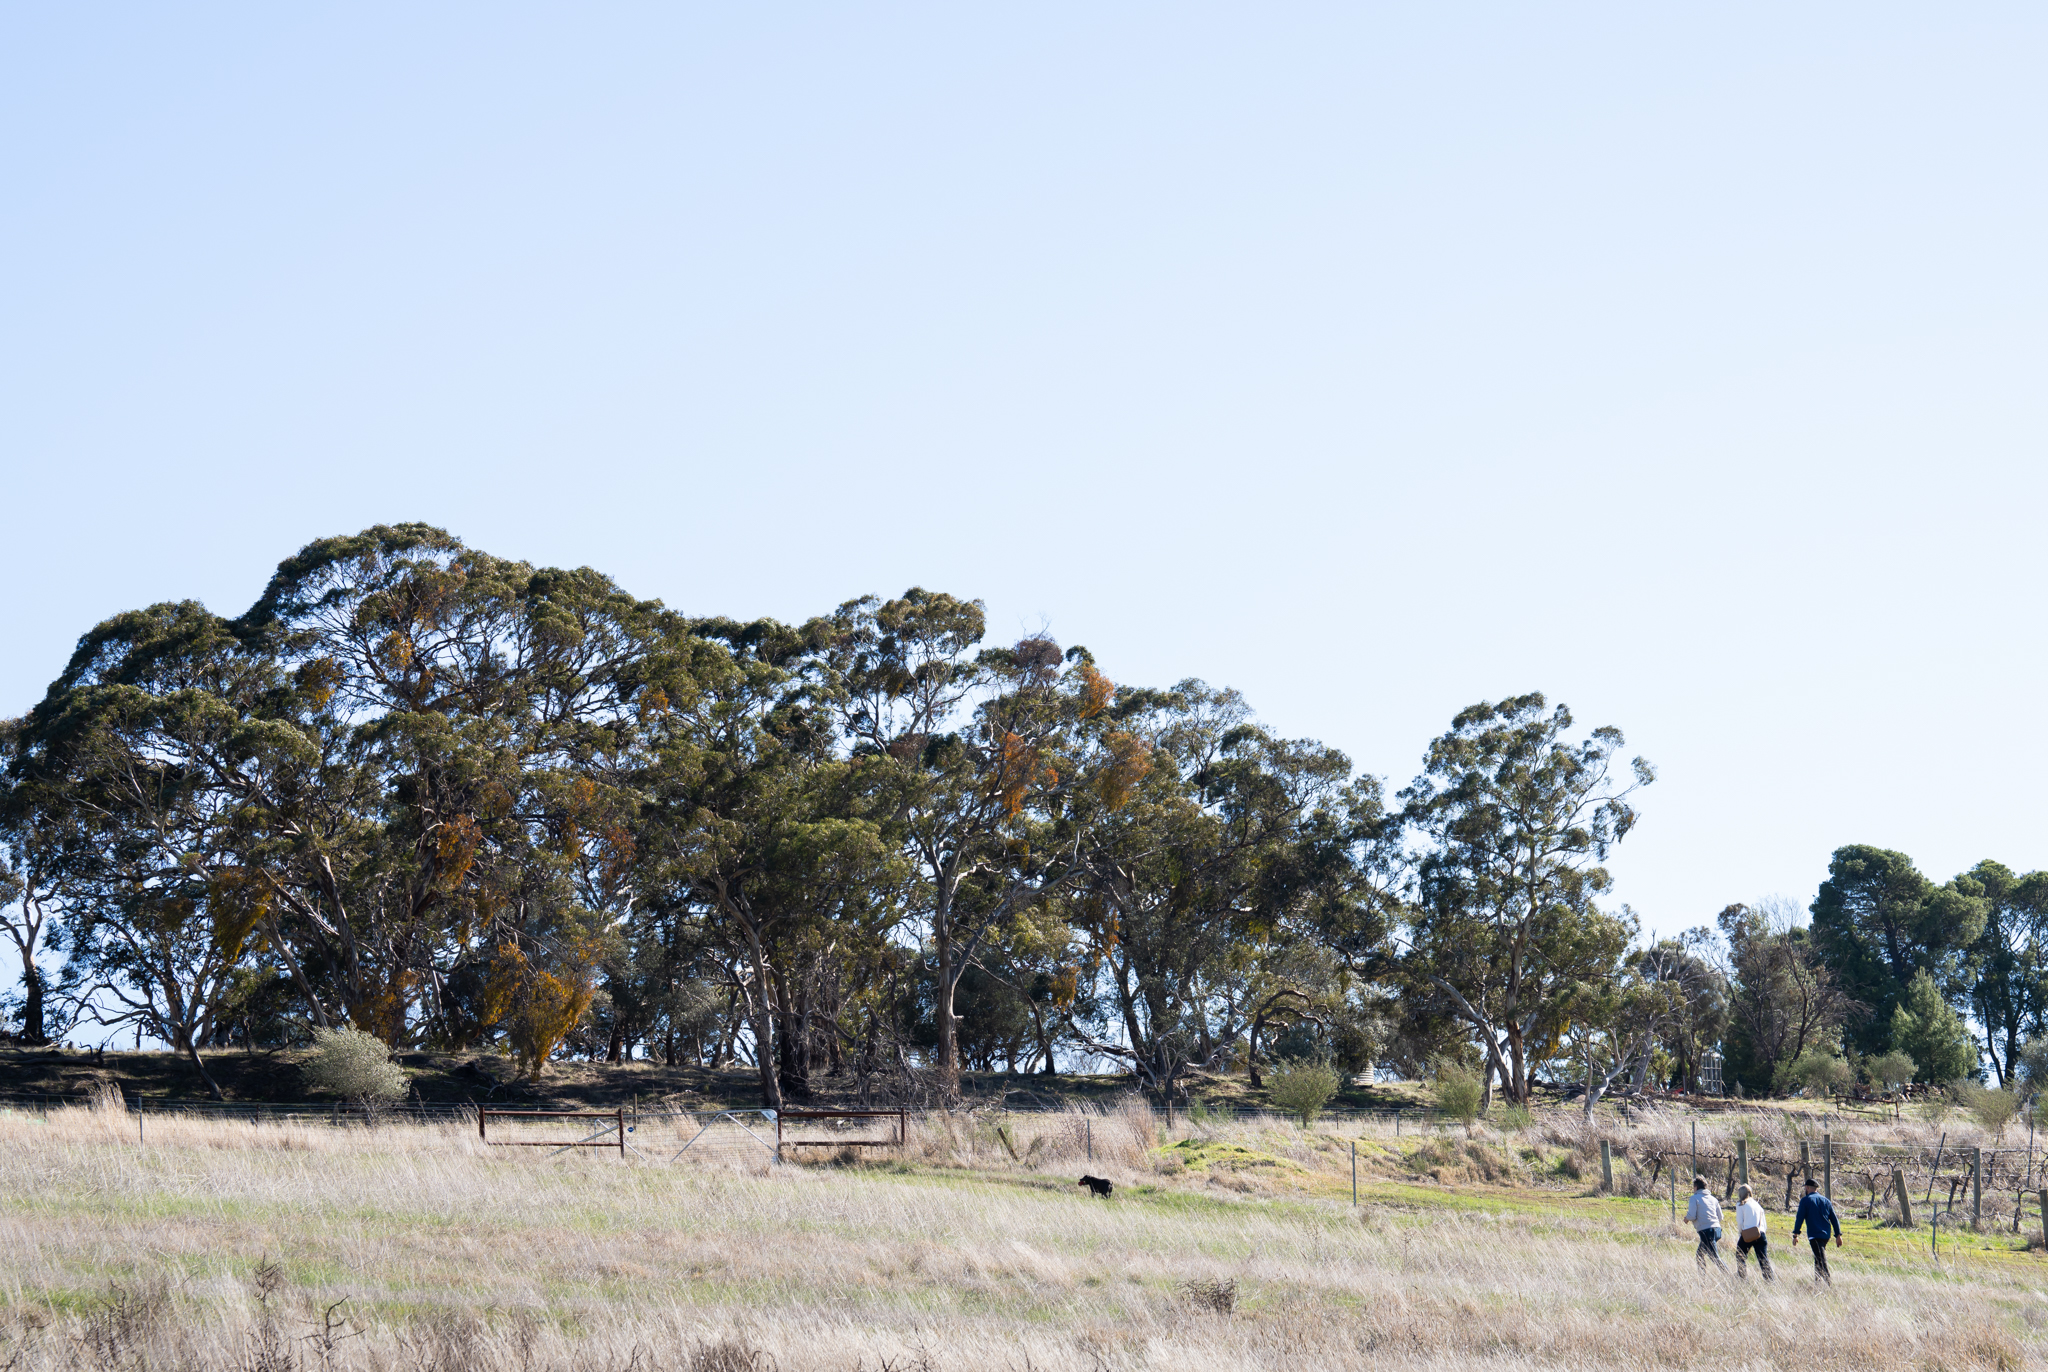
(2044, 1217)
(1905, 1200)
(1976, 1186)
(1606, 1167)
(1742, 1158)
(1827, 1165)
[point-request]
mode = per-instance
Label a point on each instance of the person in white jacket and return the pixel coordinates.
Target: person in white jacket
(1703, 1213)
(1749, 1234)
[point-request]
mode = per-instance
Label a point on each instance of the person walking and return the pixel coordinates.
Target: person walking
(1749, 1235)
(1817, 1216)
(1703, 1213)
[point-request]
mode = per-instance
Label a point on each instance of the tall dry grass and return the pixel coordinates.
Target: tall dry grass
(233, 1245)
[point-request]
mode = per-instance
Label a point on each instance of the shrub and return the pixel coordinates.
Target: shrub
(1304, 1088)
(1458, 1090)
(1890, 1070)
(1991, 1108)
(1819, 1072)
(1515, 1118)
(354, 1065)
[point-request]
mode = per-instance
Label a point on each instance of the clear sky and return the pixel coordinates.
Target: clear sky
(1683, 362)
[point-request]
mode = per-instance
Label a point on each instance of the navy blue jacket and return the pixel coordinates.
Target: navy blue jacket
(1817, 1213)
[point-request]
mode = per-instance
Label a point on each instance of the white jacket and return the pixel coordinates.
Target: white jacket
(1750, 1215)
(1703, 1211)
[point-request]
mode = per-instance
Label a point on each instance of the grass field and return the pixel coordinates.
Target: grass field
(1234, 1245)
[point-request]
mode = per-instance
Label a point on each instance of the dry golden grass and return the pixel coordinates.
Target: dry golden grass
(269, 1247)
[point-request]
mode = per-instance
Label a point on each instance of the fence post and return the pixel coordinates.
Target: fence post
(481, 1136)
(1695, 1150)
(1742, 1159)
(1827, 1166)
(1606, 1167)
(1905, 1200)
(1976, 1186)
(1674, 1193)
(1354, 1172)
(1089, 1126)
(622, 1133)
(2044, 1216)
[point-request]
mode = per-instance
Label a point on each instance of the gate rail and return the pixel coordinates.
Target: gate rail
(615, 1125)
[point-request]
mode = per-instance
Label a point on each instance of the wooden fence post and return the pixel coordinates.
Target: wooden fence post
(1827, 1165)
(1742, 1158)
(1606, 1167)
(1976, 1186)
(2044, 1216)
(1905, 1201)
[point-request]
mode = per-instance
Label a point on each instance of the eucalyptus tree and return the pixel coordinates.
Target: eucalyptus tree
(28, 892)
(1198, 900)
(2009, 993)
(451, 837)
(979, 750)
(1784, 1000)
(117, 774)
(1695, 1017)
(755, 823)
(1514, 819)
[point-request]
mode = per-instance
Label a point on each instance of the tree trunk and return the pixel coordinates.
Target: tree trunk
(192, 1051)
(1251, 1051)
(32, 1029)
(947, 1024)
(761, 1016)
(617, 1044)
(793, 1052)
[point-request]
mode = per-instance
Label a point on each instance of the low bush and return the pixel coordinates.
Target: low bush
(1304, 1088)
(1458, 1090)
(355, 1066)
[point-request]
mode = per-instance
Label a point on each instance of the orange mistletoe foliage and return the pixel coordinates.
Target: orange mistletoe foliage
(536, 1007)
(1096, 689)
(384, 1013)
(1019, 767)
(455, 848)
(1130, 763)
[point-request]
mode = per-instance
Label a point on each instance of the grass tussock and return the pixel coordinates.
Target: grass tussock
(272, 1249)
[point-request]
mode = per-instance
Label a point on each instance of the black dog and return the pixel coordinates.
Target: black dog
(1097, 1185)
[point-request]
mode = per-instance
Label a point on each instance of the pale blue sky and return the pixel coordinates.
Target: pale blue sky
(1682, 362)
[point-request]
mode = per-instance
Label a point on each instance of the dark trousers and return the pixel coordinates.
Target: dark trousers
(1710, 1247)
(1820, 1261)
(1761, 1245)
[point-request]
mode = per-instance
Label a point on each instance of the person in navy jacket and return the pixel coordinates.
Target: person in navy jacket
(1817, 1216)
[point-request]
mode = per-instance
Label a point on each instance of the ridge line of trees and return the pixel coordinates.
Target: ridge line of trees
(462, 802)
